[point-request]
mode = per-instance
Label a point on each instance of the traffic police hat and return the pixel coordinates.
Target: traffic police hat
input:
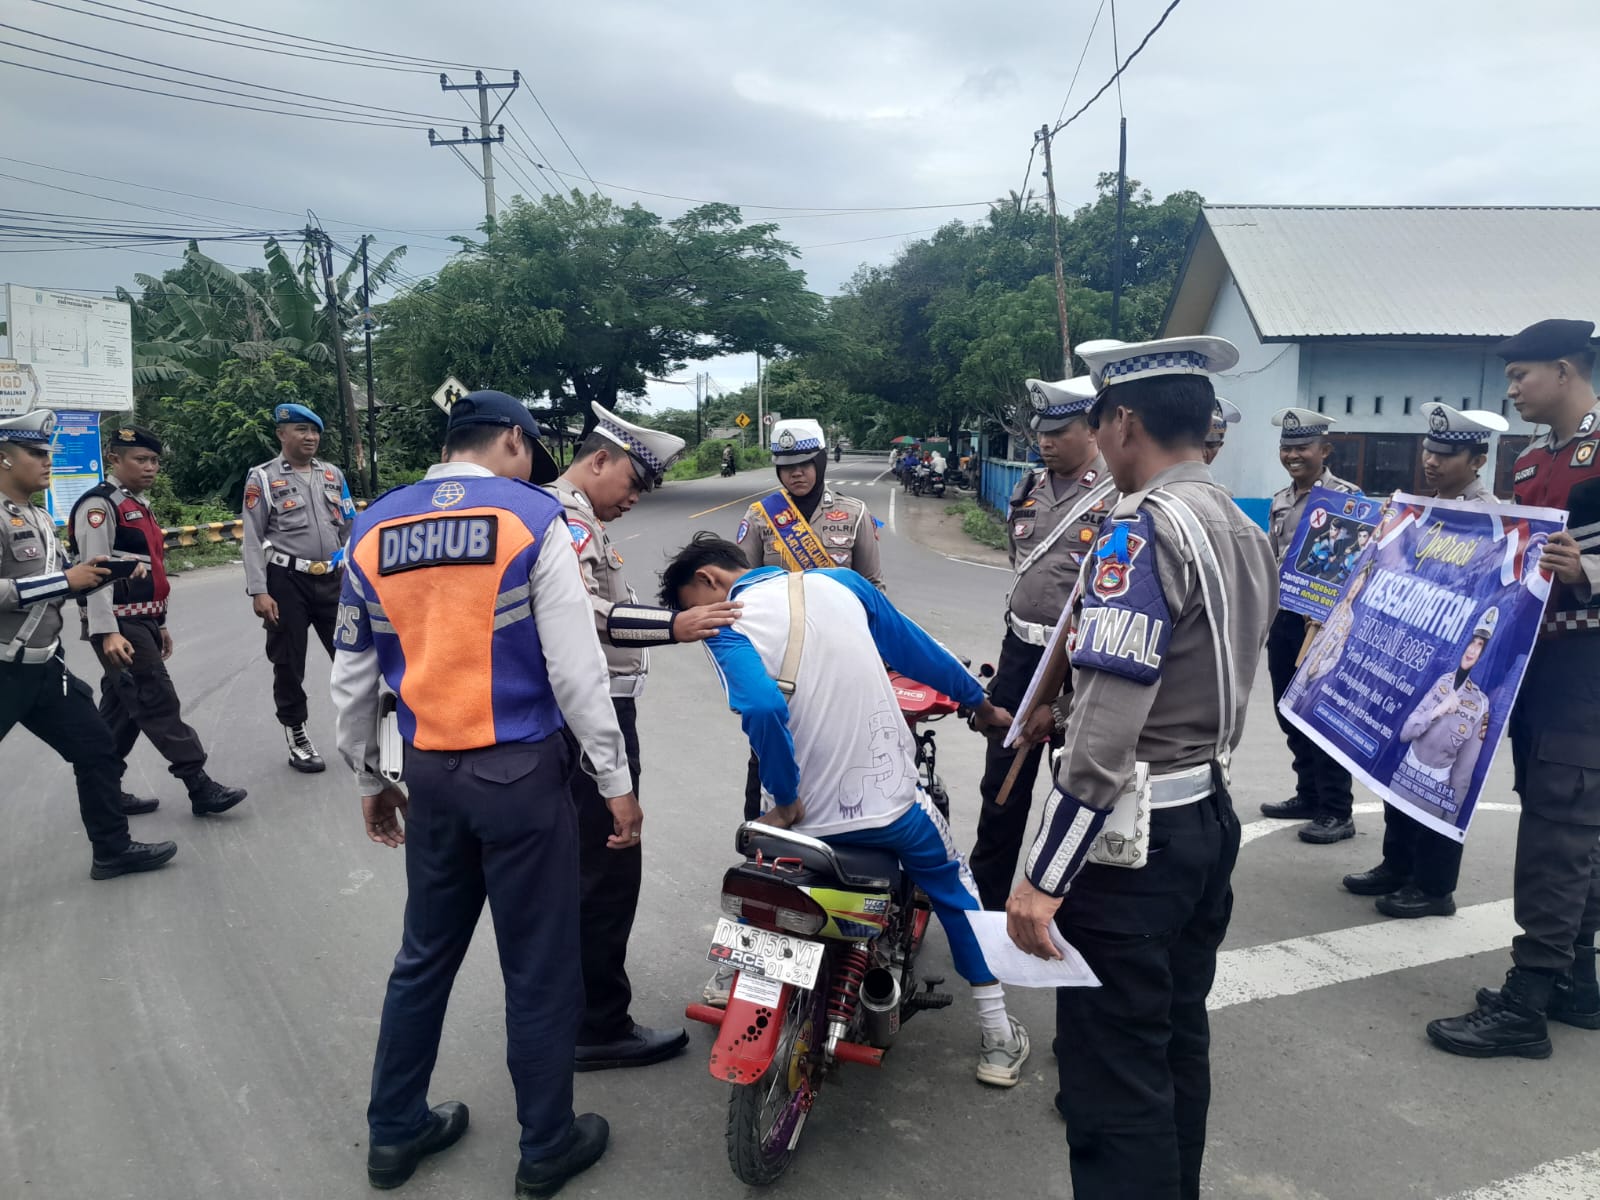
(1112, 362)
(497, 408)
(1301, 426)
(1055, 405)
(1451, 431)
(796, 441)
(1487, 620)
(650, 448)
(1224, 414)
(34, 428)
(1546, 341)
(296, 414)
(133, 437)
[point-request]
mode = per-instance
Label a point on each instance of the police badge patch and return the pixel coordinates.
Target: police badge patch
(1125, 624)
(580, 534)
(744, 529)
(1583, 453)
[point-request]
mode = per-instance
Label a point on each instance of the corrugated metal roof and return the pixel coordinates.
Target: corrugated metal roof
(1410, 272)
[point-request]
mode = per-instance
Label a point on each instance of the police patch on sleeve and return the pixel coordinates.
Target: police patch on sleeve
(744, 530)
(1125, 626)
(437, 542)
(581, 534)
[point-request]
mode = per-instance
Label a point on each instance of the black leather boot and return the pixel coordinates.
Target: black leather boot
(1574, 999)
(207, 797)
(1512, 1024)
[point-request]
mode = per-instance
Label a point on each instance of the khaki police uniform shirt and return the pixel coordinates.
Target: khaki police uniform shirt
(28, 546)
(842, 522)
(1039, 594)
(601, 567)
(302, 513)
(1173, 723)
(1447, 728)
(1288, 508)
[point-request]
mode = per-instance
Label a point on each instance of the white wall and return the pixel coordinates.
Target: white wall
(1266, 379)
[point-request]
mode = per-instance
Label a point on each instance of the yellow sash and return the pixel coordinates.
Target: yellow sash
(798, 544)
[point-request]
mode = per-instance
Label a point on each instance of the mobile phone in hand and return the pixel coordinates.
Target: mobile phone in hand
(119, 568)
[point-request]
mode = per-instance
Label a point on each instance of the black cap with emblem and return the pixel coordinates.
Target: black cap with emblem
(1547, 341)
(496, 408)
(133, 437)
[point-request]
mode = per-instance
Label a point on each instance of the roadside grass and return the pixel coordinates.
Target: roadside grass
(978, 523)
(205, 554)
(706, 459)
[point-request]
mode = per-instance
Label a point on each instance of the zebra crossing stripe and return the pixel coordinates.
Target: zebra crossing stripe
(1320, 960)
(1266, 825)
(1575, 1178)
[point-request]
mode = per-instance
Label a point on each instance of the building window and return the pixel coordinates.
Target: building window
(1322, 404)
(1378, 463)
(1377, 406)
(1408, 406)
(1349, 405)
(1511, 445)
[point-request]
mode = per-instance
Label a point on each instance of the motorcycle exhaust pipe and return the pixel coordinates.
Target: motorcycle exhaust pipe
(880, 1000)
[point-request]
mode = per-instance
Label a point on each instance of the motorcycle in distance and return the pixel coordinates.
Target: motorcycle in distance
(825, 941)
(729, 463)
(925, 481)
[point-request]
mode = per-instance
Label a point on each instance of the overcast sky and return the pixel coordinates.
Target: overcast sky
(876, 104)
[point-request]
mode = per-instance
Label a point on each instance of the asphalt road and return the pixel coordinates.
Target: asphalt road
(207, 1030)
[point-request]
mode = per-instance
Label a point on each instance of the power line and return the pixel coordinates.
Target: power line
(879, 238)
(564, 141)
(343, 105)
(1118, 74)
(232, 41)
(128, 87)
(1093, 25)
(318, 41)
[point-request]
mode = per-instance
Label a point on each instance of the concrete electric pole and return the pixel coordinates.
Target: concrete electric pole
(485, 123)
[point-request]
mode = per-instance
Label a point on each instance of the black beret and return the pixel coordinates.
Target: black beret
(134, 437)
(1546, 341)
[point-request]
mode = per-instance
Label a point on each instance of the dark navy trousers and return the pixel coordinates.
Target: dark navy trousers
(496, 824)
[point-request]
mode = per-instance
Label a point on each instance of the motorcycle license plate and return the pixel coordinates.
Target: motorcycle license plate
(776, 956)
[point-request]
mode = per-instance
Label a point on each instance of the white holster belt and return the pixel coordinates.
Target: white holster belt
(309, 566)
(1028, 631)
(33, 655)
(627, 687)
(1177, 788)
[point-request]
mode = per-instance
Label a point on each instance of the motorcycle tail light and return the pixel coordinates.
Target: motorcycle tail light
(771, 905)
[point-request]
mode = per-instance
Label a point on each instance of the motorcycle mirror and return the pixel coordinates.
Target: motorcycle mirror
(986, 671)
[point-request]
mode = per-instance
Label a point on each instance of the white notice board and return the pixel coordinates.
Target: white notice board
(80, 349)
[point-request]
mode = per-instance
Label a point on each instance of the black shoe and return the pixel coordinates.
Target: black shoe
(1575, 1006)
(139, 856)
(1379, 881)
(207, 797)
(1326, 830)
(1412, 901)
(639, 1048)
(134, 806)
(1292, 809)
(390, 1166)
(1514, 1024)
(586, 1142)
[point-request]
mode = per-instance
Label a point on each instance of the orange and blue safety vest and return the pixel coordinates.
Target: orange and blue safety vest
(438, 583)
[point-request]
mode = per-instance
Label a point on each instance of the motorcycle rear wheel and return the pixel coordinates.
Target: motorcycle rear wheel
(763, 1116)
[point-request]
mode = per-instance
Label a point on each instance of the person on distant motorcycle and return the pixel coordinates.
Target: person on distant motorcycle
(727, 456)
(836, 757)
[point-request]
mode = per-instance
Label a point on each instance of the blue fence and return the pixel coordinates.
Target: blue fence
(998, 480)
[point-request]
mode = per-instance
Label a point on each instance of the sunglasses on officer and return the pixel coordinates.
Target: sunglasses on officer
(39, 452)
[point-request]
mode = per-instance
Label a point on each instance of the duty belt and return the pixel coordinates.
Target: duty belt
(1032, 633)
(33, 655)
(1177, 788)
(311, 567)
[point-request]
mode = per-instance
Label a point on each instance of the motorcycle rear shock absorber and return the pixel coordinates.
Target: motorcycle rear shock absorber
(844, 992)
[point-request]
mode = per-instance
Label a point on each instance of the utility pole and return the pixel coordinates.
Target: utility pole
(761, 407)
(1122, 200)
(699, 435)
(372, 402)
(1044, 135)
(484, 138)
(351, 442)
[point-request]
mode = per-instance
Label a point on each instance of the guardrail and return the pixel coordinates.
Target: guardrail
(216, 531)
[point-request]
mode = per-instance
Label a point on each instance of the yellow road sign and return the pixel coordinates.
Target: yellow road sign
(742, 420)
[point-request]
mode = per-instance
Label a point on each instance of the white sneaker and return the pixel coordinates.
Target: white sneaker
(719, 987)
(1000, 1062)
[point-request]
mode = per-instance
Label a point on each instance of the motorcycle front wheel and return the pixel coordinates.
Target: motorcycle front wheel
(765, 1117)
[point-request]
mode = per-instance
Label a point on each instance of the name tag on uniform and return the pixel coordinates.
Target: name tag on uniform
(437, 542)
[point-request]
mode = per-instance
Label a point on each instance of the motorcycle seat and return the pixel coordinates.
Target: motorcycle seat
(865, 867)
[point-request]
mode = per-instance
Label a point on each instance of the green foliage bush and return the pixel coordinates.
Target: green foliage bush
(706, 459)
(979, 524)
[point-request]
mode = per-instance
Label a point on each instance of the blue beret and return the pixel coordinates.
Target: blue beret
(294, 414)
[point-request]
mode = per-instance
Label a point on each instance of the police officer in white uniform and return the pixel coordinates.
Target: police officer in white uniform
(36, 689)
(1174, 611)
(1322, 793)
(1052, 521)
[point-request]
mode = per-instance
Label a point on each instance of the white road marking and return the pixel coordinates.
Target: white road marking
(1575, 1178)
(1266, 825)
(1321, 960)
(879, 475)
(892, 529)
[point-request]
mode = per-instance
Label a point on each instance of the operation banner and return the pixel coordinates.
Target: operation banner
(1411, 679)
(1333, 533)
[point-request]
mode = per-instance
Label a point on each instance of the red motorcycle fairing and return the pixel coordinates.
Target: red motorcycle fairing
(748, 1037)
